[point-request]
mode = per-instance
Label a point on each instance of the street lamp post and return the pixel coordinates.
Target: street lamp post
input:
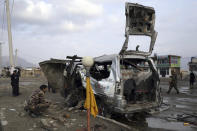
(87, 63)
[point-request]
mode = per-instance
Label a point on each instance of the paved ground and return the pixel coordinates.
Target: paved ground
(183, 103)
(14, 118)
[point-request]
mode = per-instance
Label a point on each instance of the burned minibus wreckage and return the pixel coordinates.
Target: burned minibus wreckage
(123, 83)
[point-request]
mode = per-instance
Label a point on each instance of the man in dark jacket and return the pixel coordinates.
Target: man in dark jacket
(15, 83)
(37, 103)
(192, 79)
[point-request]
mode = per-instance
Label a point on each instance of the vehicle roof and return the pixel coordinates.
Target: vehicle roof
(105, 58)
(99, 59)
(109, 58)
(57, 61)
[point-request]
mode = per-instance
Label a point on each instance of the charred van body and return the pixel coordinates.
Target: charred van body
(123, 83)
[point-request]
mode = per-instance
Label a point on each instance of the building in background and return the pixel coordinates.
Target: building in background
(166, 63)
(31, 72)
(193, 65)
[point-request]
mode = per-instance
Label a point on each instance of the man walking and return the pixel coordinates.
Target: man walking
(15, 83)
(192, 79)
(173, 82)
(37, 103)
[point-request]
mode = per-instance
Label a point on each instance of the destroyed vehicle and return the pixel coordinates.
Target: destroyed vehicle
(123, 83)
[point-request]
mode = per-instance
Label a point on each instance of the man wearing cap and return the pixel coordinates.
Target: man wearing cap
(15, 83)
(37, 104)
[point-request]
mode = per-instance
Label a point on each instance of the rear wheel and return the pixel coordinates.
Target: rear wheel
(159, 97)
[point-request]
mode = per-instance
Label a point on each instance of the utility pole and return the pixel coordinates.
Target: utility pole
(16, 57)
(1, 61)
(9, 36)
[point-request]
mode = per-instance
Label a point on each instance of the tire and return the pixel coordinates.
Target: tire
(102, 109)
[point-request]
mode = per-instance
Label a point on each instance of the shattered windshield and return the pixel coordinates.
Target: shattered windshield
(100, 71)
(135, 65)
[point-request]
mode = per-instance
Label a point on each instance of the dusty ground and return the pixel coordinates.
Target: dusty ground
(14, 118)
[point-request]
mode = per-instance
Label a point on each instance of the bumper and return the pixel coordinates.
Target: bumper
(131, 108)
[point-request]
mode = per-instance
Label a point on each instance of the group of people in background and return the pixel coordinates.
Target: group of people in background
(173, 81)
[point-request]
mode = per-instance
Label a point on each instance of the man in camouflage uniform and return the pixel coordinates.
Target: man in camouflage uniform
(37, 103)
(173, 82)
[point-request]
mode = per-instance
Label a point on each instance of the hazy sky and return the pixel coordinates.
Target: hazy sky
(44, 29)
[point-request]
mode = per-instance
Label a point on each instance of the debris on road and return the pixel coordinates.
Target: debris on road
(12, 109)
(4, 123)
(188, 118)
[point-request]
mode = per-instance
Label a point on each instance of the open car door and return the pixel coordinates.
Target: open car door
(140, 20)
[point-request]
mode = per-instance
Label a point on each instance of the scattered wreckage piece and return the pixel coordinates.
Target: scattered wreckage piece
(62, 75)
(161, 108)
(53, 71)
(189, 118)
(123, 83)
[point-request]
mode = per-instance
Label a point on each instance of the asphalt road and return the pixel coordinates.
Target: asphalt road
(180, 105)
